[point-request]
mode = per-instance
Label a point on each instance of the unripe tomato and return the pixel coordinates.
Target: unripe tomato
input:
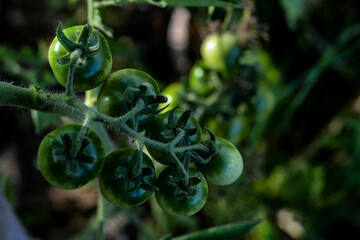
(98, 65)
(173, 92)
(185, 205)
(112, 99)
(202, 81)
(114, 188)
(220, 51)
(57, 164)
(226, 166)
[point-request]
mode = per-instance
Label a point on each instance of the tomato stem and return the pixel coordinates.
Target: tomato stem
(76, 145)
(74, 58)
(136, 171)
(100, 217)
(185, 174)
(73, 108)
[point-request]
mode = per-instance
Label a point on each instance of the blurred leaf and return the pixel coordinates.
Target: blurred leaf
(223, 232)
(8, 190)
(294, 10)
(97, 22)
(24, 63)
(166, 237)
(306, 82)
(72, 2)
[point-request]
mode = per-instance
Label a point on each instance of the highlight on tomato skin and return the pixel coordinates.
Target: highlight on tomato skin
(220, 51)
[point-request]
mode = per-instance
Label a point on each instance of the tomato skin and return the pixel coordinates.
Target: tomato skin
(55, 170)
(220, 51)
(113, 189)
(112, 100)
(98, 65)
(198, 79)
(226, 166)
(202, 80)
(185, 206)
(173, 92)
(159, 125)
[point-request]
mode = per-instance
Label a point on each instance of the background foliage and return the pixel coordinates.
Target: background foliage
(299, 132)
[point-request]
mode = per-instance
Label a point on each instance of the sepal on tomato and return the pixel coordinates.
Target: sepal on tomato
(175, 198)
(203, 158)
(133, 94)
(117, 183)
(179, 124)
(181, 191)
(66, 42)
(90, 51)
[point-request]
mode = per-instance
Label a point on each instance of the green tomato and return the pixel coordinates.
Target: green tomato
(199, 81)
(113, 187)
(112, 100)
(61, 165)
(173, 92)
(160, 125)
(226, 166)
(220, 51)
(185, 205)
(98, 65)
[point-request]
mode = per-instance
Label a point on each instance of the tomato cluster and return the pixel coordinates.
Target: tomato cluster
(72, 155)
(229, 87)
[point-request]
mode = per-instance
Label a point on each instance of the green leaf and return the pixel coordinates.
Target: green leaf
(97, 22)
(42, 120)
(227, 232)
(166, 237)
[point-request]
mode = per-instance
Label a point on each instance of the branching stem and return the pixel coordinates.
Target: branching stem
(73, 108)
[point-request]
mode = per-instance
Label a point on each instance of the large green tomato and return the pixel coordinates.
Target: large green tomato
(184, 205)
(226, 166)
(220, 51)
(98, 65)
(61, 165)
(160, 125)
(113, 187)
(112, 99)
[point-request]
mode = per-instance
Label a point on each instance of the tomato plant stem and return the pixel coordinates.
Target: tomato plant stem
(100, 217)
(73, 108)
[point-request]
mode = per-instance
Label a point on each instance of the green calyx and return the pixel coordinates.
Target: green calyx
(132, 181)
(73, 153)
(200, 157)
(175, 126)
(81, 45)
(180, 190)
(133, 94)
